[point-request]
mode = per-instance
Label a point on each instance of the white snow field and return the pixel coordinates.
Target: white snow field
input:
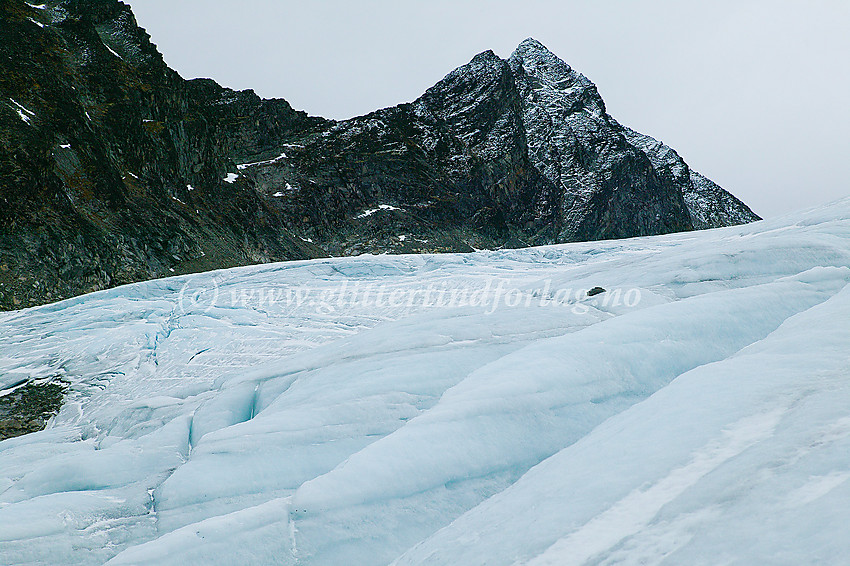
(278, 414)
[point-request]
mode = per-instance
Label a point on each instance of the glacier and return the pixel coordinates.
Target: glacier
(346, 411)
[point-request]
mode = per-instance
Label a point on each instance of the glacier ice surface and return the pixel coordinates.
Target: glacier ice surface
(274, 414)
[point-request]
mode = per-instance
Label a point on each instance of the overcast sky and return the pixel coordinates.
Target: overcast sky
(753, 94)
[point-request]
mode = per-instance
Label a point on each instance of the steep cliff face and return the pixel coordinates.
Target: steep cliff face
(112, 165)
(115, 169)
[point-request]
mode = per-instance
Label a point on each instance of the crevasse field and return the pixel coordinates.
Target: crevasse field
(453, 409)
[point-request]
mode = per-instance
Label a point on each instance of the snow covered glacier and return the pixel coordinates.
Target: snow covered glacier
(452, 409)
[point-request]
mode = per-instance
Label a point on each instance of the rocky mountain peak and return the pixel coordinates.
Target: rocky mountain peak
(485, 75)
(533, 55)
(552, 78)
(479, 103)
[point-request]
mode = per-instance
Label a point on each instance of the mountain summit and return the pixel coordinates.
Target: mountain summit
(115, 169)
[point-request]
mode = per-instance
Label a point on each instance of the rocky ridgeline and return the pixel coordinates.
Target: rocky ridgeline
(114, 169)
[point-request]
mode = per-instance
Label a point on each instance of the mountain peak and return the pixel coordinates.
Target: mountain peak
(537, 64)
(530, 48)
(531, 44)
(487, 55)
(533, 55)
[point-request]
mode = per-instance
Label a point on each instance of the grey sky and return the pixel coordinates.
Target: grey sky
(754, 94)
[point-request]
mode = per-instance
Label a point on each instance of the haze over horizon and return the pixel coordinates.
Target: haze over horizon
(751, 94)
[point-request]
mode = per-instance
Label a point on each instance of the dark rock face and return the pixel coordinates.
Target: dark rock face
(114, 169)
(99, 144)
(606, 187)
(709, 205)
(27, 408)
